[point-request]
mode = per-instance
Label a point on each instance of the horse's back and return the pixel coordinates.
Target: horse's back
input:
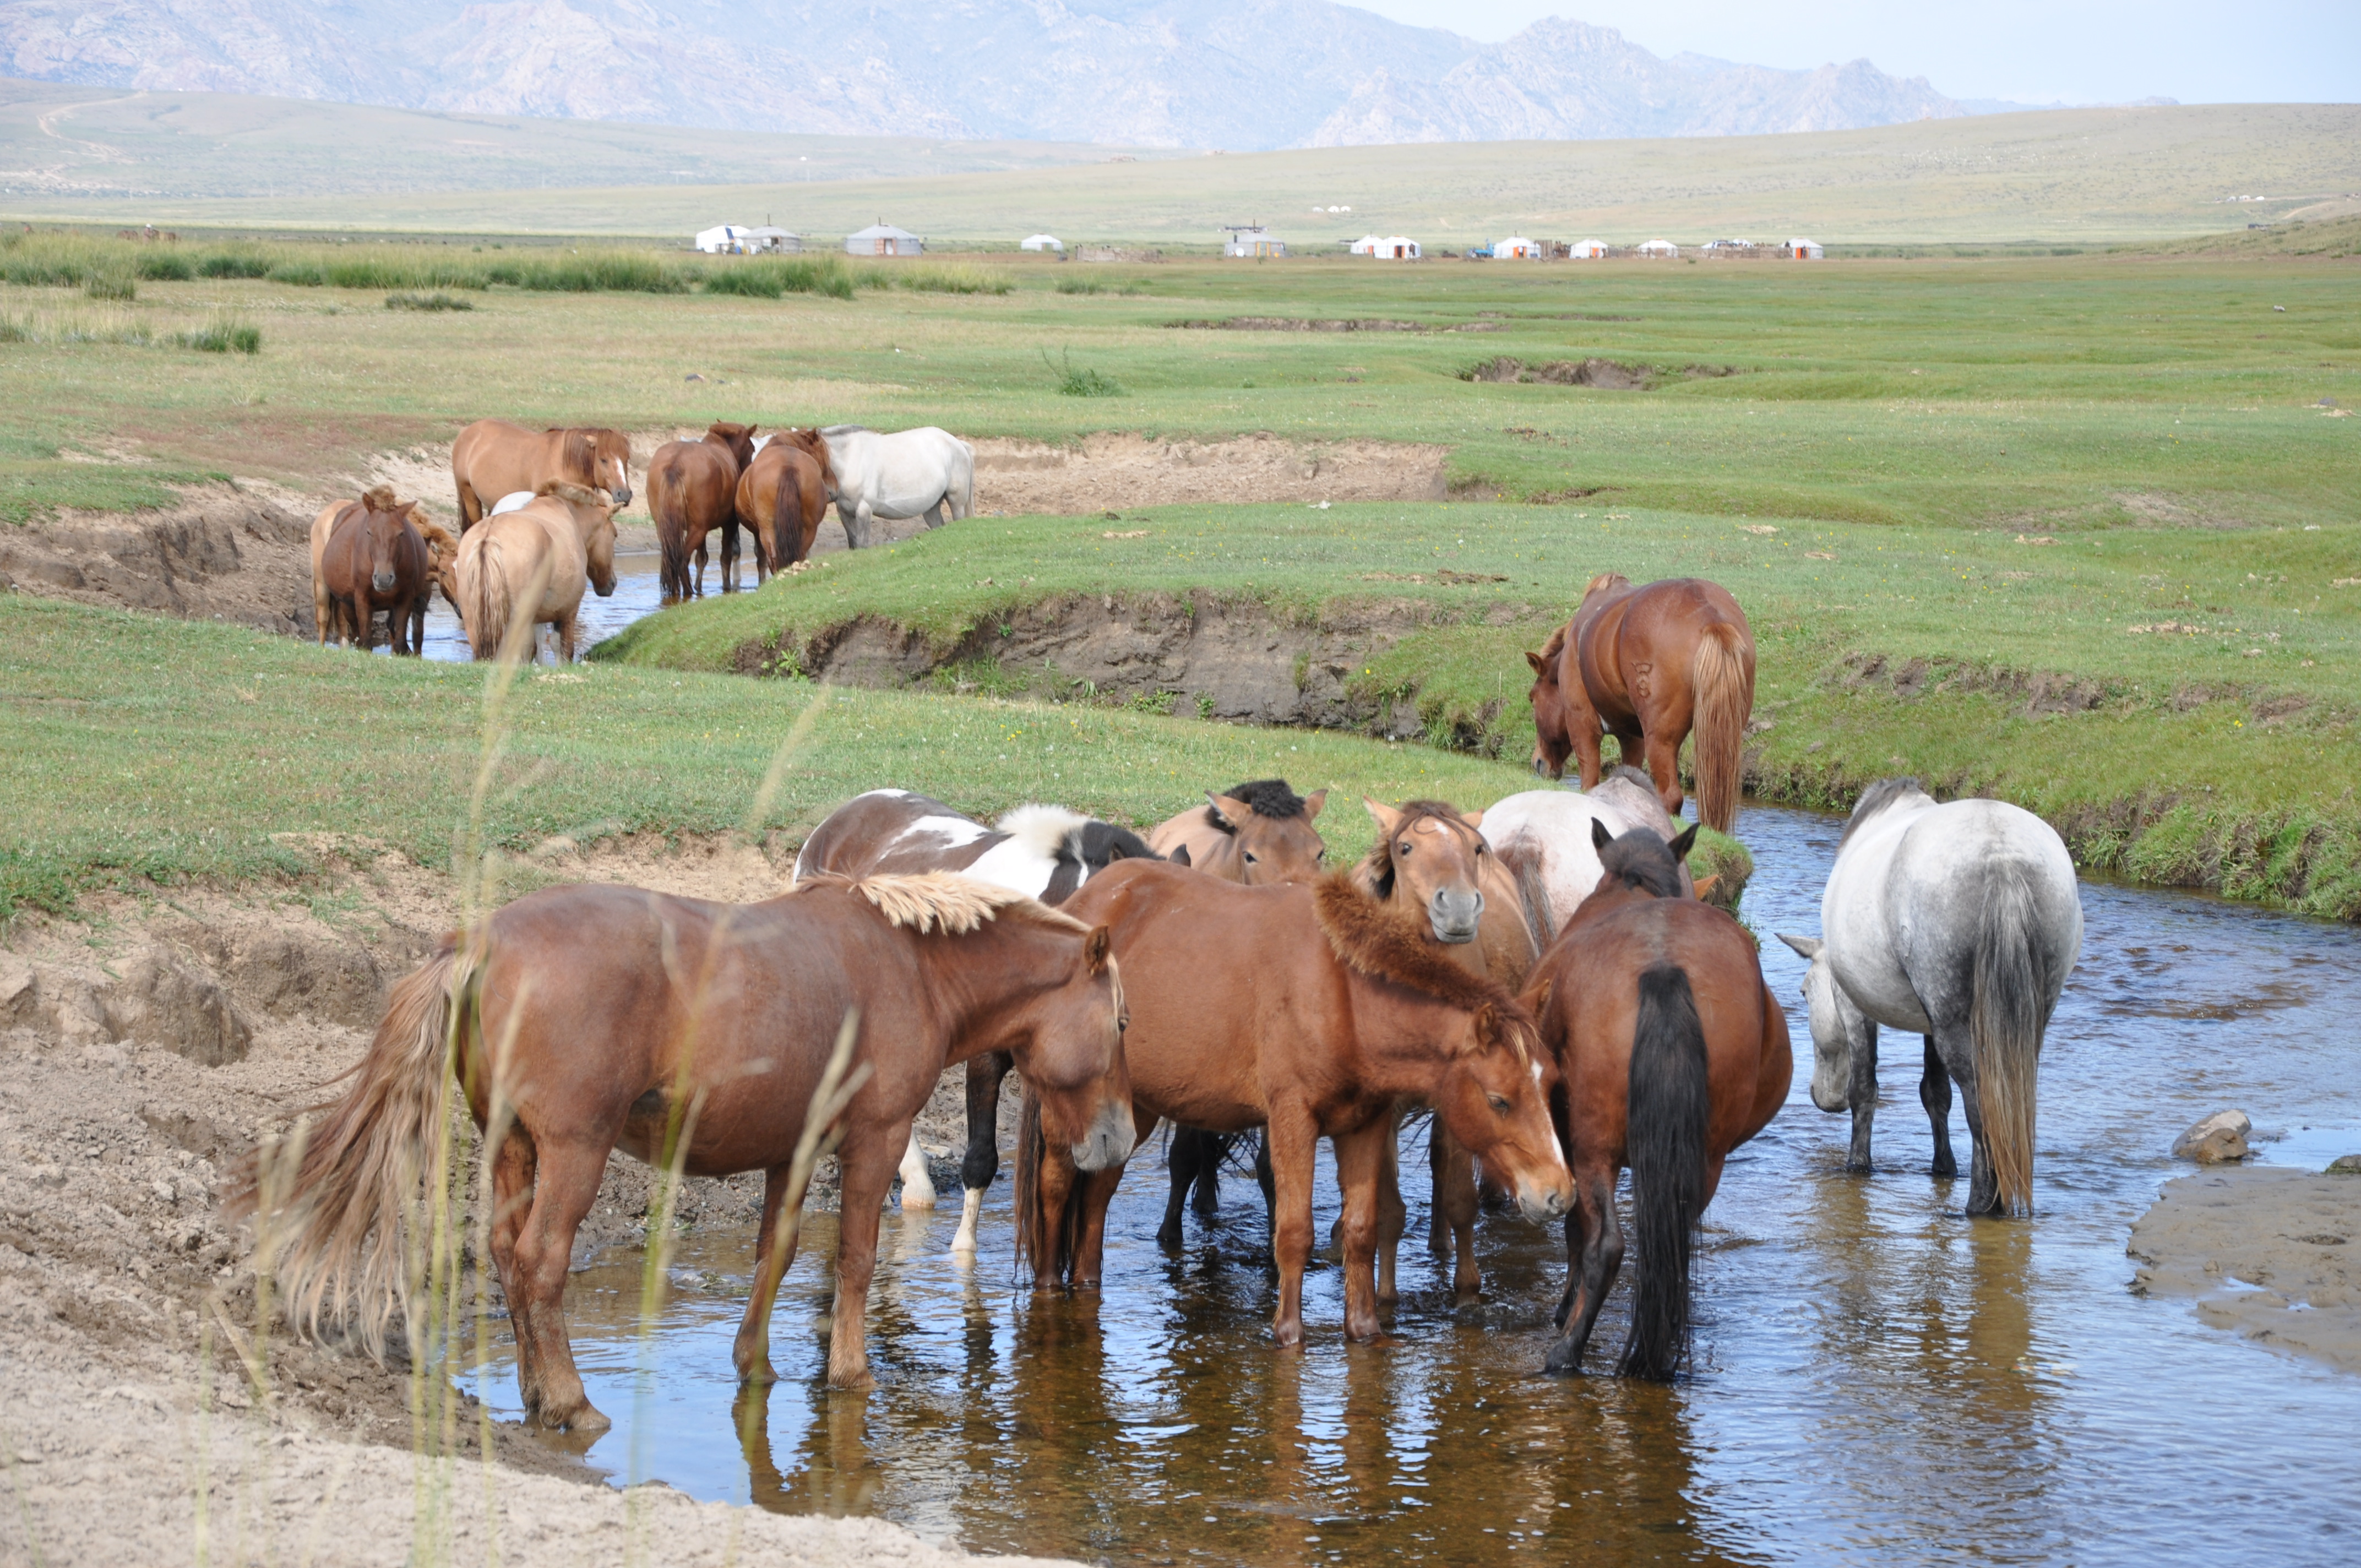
(885, 830)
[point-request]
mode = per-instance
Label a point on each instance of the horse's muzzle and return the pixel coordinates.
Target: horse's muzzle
(381, 582)
(1454, 919)
(622, 497)
(1546, 1205)
(1108, 1143)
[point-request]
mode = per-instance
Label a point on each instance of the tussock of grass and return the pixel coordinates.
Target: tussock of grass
(437, 301)
(772, 277)
(223, 335)
(1086, 382)
(938, 277)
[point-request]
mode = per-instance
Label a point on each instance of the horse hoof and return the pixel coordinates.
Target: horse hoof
(1563, 1362)
(584, 1420)
(1169, 1238)
(1945, 1170)
(1858, 1167)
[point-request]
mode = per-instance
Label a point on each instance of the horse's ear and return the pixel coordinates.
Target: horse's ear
(1806, 946)
(1223, 811)
(1684, 843)
(1474, 819)
(1385, 816)
(1537, 999)
(1094, 948)
(1599, 836)
(1180, 855)
(1539, 664)
(1313, 803)
(1488, 1032)
(1704, 886)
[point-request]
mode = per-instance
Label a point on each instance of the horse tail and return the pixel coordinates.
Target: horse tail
(1670, 1104)
(2008, 1007)
(1526, 866)
(488, 618)
(329, 1212)
(666, 505)
(790, 483)
(1721, 680)
(1046, 1242)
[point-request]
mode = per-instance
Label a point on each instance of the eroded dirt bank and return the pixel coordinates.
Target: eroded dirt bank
(141, 1049)
(2271, 1256)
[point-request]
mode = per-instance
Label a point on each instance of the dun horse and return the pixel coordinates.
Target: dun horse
(492, 458)
(1647, 666)
(1311, 1013)
(370, 555)
(1673, 1053)
(1042, 852)
(693, 489)
(534, 562)
(691, 1035)
(782, 496)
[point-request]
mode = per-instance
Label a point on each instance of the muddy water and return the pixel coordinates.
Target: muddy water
(638, 592)
(1880, 1379)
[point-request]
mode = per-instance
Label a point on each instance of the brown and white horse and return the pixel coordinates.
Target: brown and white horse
(493, 458)
(1043, 852)
(693, 489)
(691, 1035)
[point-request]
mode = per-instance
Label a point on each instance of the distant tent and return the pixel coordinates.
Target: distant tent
(1369, 245)
(1660, 247)
(1802, 251)
(768, 238)
(882, 238)
(1253, 243)
(1392, 248)
(1042, 242)
(1590, 250)
(1515, 248)
(723, 239)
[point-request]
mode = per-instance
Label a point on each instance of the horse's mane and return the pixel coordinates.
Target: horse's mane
(815, 444)
(945, 901)
(1274, 798)
(1377, 870)
(578, 495)
(578, 453)
(1876, 799)
(1606, 580)
(1369, 939)
(1553, 648)
(379, 498)
(1640, 859)
(1043, 829)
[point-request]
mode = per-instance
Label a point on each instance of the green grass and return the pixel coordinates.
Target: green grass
(144, 751)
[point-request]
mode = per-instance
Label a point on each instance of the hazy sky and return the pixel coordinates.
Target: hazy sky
(2033, 51)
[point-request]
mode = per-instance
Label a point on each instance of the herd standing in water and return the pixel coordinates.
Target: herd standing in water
(1543, 979)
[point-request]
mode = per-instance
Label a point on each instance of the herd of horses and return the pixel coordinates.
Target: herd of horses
(536, 522)
(1542, 980)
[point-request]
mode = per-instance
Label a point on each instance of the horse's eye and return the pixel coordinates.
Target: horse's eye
(1499, 1106)
(1403, 847)
(1121, 1025)
(1250, 858)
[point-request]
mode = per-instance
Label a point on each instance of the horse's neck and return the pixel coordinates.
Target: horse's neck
(975, 982)
(1405, 1036)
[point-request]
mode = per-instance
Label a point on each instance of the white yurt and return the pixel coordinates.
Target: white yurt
(1369, 245)
(1589, 250)
(1400, 247)
(1254, 243)
(722, 239)
(1042, 242)
(1802, 250)
(882, 238)
(1515, 248)
(1660, 247)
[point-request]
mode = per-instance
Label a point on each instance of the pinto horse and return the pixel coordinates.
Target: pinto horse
(1259, 833)
(782, 496)
(1672, 1052)
(1648, 666)
(1310, 1012)
(368, 555)
(492, 458)
(691, 1035)
(693, 489)
(535, 562)
(1042, 852)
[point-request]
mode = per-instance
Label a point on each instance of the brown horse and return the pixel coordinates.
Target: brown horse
(1431, 865)
(368, 555)
(442, 555)
(1673, 1052)
(493, 458)
(691, 1035)
(535, 562)
(1259, 833)
(1309, 1011)
(1648, 666)
(693, 489)
(783, 495)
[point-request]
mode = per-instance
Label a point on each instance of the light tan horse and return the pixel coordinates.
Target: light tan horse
(534, 562)
(494, 458)
(1259, 833)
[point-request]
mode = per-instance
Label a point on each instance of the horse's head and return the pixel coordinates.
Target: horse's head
(1430, 858)
(1067, 1039)
(738, 440)
(1552, 723)
(815, 444)
(1276, 840)
(594, 523)
(1838, 1026)
(1639, 860)
(603, 459)
(383, 517)
(1495, 1098)
(442, 554)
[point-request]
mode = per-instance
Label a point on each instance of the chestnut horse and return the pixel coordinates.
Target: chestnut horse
(1042, 852)
(1433, 866)
(1648, 666)
(782, 496)
(492, 458)
(691, 1035)
(1259, 833)
(1310, 1012)
(1673, 1052)
(368, 555)
(535, 562)
(693, 489)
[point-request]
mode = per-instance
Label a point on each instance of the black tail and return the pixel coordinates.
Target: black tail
(1043, 1241)
(1670, 1105)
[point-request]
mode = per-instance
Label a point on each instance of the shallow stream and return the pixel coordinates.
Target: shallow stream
(1880, 1379)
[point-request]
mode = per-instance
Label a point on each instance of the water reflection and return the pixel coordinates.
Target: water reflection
(1879, 1378)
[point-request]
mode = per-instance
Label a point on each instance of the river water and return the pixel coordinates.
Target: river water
(1879, 1378)
(639, 591)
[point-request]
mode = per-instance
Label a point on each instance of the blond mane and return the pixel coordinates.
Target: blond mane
(947, 902)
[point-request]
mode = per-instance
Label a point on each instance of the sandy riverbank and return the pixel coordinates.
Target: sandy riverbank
(2272, 1256)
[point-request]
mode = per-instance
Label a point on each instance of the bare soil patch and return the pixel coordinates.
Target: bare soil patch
(1114, 471)
(1610, 374)
(1302, 324)
(225, 553)
(2272, 1256)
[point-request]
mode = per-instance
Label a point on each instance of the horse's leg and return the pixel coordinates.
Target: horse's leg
(1294, 1142)
(1934, 1093)
(513, 1168)
(1594, 1229)
(1190, 1152)
(917, 1181)
(1860, 1096)
(1393, 1216)
(1455, 1206)
(566, 1183)
(981, 1163)
(751, 1353)
(1053, 1188)
(867, 516)
(1360, 1173)
(1662, 749)
(866, 1163)
(729, 556)
(1270, 1186)
(1958, 1054)
(566, 631)
(1090, 1234)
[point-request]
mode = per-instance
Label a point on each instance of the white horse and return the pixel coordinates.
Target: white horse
(1548, 833)
(1960, 923)
(909, 473)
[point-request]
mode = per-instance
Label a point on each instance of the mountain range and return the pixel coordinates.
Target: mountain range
(1243, 74)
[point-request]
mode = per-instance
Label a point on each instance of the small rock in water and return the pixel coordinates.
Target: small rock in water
(2345, 1164)
(2217, 1140)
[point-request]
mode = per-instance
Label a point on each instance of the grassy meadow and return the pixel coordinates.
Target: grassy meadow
(1992, 468)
